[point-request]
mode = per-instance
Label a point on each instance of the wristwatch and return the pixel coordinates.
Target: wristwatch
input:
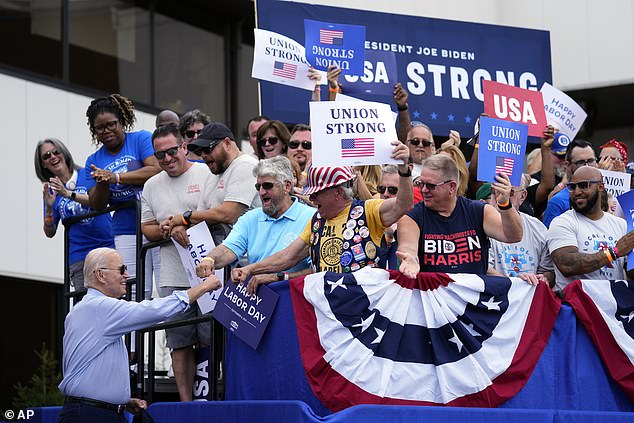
(282, 276)
(188, 217)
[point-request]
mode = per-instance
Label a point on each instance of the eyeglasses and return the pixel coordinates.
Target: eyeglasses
(110, 126)
(587, 162)
(583, 185)
(122, 269)
(391, 190)
(171, 151)
(50, 154)
(266, 185)
(430, 186)
(306, 145)
(199, 151)
(192, 134)
(416, 141)
(271, 141)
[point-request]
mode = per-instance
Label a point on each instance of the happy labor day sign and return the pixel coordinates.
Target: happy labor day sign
(352, 133)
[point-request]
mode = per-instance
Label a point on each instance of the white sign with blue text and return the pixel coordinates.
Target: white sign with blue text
(352, 133)
(200, 244)
(562, 112)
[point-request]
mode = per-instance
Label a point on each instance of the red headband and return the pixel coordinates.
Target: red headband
(621, 147)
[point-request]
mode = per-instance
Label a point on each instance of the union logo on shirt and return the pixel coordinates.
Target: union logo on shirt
(194, 188)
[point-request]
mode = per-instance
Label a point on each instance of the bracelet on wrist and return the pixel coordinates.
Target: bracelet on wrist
(612, 253)
(333, 90)
(73, 195)
(402, 108)
(405, 174)
(506, 205)
(608, 255)
(616, 252)
(118, 178)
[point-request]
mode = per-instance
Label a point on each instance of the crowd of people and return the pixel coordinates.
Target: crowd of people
(278, 217)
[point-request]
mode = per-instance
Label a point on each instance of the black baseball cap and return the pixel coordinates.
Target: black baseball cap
(212, 134)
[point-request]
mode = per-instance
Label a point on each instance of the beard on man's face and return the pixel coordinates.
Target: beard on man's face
(591, 200)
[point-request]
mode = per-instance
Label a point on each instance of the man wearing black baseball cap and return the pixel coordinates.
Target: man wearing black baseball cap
(234, 183)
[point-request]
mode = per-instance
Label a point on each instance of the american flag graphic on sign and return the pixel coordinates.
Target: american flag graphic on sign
(332, 37)
(504, 164)
(357, 147)
(285, 70)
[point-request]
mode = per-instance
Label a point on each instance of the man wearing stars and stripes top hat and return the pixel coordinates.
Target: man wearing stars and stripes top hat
(344, 234)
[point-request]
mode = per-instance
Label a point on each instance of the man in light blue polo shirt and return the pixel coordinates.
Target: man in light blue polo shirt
(264, 231)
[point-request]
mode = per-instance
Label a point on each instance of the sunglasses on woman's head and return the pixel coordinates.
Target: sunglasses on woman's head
(271, 140)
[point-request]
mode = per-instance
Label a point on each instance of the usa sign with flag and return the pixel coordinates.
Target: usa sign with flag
(606, 310)
(502, 149)
(377, 337)
(330, 44)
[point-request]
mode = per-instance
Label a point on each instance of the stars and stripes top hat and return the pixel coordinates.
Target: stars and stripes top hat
(320, 178)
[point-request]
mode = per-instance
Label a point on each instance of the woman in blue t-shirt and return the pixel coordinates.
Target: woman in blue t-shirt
(117, 171)
(66, 196)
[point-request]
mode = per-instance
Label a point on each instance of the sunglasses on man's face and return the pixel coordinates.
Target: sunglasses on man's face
(171, 151)
(588, 162)
(416, 141)
(199, 151)
(583, 185)
(271, 140)
(122, 269)
(430, 186)
(50, 154)
(306, 145)
(266, 185)
(391, 190)
(191, 134)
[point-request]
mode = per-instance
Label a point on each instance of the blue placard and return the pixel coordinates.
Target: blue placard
(502, 149)
(626, 201)
(330, 44)
(379, 70)
(439, 62)
(246, 316)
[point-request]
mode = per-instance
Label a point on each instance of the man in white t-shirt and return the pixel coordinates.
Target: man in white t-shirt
(586, 242)
(233, 191)
(181, 186)
(530, 255)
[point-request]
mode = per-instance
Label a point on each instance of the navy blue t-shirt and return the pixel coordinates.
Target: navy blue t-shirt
(453, 244)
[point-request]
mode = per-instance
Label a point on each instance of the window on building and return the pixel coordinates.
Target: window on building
(30, 36)
(109, 43)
